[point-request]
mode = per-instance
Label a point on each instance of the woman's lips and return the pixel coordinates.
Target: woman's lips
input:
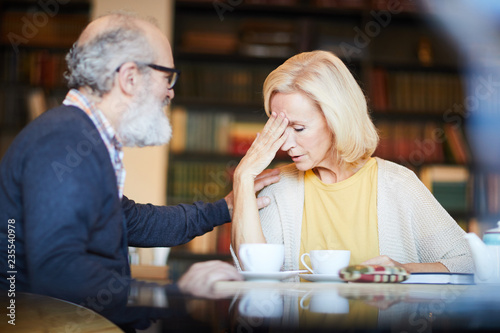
(296, 158)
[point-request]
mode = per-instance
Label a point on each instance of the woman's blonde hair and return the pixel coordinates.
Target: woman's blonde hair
(325, 79)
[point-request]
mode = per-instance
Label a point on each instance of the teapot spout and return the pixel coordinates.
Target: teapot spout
(481, 257)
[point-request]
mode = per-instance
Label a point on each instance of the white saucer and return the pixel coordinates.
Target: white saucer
(321, 277)
(274, 276)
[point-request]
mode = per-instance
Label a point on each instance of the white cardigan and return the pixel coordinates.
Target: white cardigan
(412, 226)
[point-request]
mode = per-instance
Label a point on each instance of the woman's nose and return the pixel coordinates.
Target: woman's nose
(289, 143)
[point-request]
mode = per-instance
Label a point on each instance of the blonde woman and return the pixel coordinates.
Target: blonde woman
(336, 195)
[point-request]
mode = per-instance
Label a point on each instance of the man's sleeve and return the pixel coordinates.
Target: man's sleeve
(62, 199)
(150, 225)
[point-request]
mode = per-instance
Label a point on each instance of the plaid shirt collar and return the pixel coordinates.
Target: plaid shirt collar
(106, 131)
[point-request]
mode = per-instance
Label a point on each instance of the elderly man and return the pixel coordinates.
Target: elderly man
(65, 224)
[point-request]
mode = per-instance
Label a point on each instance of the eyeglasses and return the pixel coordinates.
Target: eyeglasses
(172, 78)
(174, 73)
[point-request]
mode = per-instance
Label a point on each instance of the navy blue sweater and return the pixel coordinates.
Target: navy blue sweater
(59, 195)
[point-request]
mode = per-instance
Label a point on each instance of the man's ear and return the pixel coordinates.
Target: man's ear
(127, 78)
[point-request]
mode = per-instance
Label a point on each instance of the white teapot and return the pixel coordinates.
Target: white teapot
(486, 255)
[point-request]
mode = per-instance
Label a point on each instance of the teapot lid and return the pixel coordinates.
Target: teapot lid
(494, 230)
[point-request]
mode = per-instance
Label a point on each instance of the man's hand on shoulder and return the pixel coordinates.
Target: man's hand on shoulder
(266, 178)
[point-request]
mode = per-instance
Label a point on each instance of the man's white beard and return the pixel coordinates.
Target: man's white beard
(145, 122)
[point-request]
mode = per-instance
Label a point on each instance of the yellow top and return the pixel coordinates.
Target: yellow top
(342, 216)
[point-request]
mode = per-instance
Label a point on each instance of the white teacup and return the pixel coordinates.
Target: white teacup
(325, 301)
(262, 258)
(326, 261)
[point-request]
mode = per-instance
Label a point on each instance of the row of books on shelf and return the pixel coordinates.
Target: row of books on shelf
(268, 39)
(221, 83)
(403, 5)
(211, 132)
(194, 180)
(451, 185)
(36, 28)
(252, 38)
(409, 143)
(399, 91)
(191, 181)
(460, 190)
(33, 67)
(13, 107)
(417, 143)
(216, 241)
(252, 2)
(19, 105)
(487, 193)
(414, 91)
(5, 142)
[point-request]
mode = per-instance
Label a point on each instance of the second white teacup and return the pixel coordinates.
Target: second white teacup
(327, 261)
(261, 257)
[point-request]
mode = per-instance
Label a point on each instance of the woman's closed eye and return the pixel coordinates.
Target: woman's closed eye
(298, 129)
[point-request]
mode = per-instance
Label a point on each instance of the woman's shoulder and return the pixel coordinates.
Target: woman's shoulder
(393, 170)
(290, 173)
(398, 178)
(290, 177)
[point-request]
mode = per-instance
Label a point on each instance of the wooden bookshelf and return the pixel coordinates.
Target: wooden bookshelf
(34, 40)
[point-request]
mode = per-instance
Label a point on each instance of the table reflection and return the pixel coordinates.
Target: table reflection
(280, 307)
(363, 307)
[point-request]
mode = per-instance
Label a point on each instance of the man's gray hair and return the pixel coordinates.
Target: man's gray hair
(94, 63)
